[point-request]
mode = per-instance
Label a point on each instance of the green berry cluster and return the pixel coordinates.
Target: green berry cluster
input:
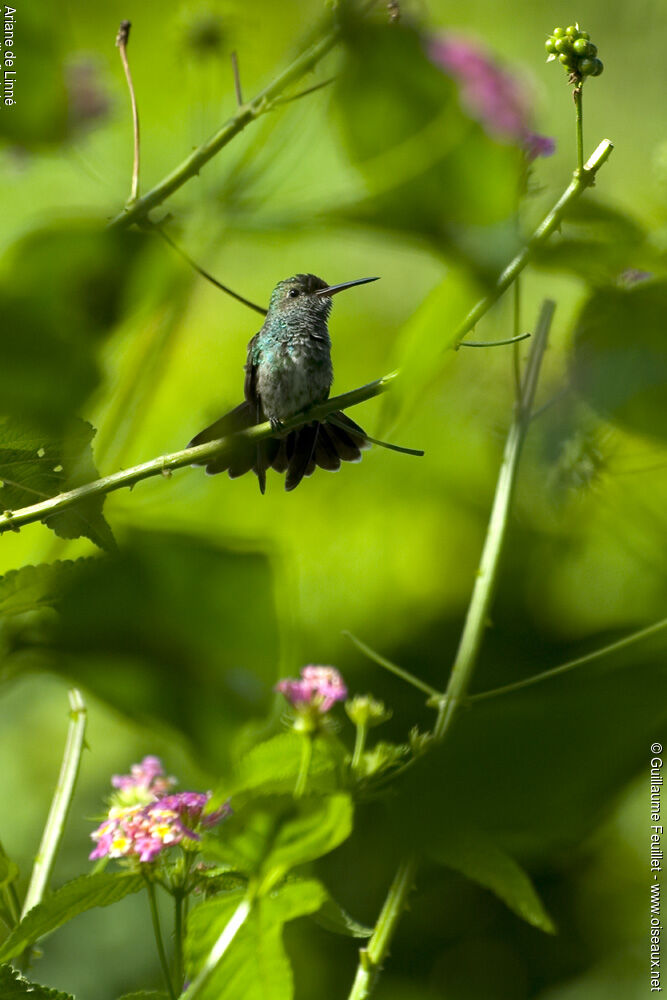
(574, 50)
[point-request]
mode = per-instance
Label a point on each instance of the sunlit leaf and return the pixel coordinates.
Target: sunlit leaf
(33, 587)
(67, 902)
(272, 767)
(255, 966)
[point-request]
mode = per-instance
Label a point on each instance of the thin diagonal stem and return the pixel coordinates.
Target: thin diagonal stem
(219, 949)
(247, 113)
(393, 668)
(60, 805)
(581, 661)
(200, 454)
(122, 39)
(578, 95)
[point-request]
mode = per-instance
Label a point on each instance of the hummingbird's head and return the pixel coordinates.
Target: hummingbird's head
(306, 294)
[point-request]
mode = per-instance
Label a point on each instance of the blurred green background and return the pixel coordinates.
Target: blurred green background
(181, 646)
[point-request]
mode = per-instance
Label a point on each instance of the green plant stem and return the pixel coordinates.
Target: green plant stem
(62, 800)
(359, 746)
(578, 95)
(11, 896)
(370, 959)
(373, 955)
(247, 113)
(304, 765)
(478, 609)
(564, 668)
(11, 520)
(552, 220)
(516, 360)
(178, 940)
(155, 918)
(393, 668)
(231, 929)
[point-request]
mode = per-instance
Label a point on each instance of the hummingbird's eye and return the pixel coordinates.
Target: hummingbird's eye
(294, 293)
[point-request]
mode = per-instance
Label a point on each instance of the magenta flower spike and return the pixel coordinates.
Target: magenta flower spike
(491, 95)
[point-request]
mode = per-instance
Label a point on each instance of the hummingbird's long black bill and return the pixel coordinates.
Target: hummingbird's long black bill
(334, 289)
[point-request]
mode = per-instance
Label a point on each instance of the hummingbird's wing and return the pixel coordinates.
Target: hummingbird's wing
(266, 450)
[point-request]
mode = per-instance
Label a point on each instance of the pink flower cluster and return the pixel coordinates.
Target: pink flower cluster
(318, 687)
(147, 778)
(156, 821)
(492, 95)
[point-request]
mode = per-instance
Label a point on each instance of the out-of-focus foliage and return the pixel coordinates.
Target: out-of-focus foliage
(178, 636)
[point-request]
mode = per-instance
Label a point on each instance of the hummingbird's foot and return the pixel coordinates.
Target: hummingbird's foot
(277, 426)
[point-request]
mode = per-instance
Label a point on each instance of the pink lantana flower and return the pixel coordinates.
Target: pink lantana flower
(318, 689)
(142, 829)
(491, 95)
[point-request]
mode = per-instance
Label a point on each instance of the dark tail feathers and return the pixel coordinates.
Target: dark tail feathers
(297, 454)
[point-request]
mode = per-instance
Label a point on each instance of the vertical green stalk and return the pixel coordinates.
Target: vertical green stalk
(578, 96)
(60, 804)
(478, 609)
(178, 939)
(155, 918)
(371, 958)
(516, 330)
(359, 746)
(304, 766)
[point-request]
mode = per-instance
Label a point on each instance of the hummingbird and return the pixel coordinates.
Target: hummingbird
(288, 369)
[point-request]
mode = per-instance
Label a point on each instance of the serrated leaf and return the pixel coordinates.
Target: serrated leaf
(34, 587)
(68, 901)
(36, 464)
(255, 967)
(14, 987)
(475, 855)
(332, 917)
(272, 767)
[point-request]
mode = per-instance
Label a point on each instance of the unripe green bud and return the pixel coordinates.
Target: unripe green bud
(566, 60)
(363, 710)
(572, 30)
(550, 45)
(558, 32)
(599, 66)
(563, 45)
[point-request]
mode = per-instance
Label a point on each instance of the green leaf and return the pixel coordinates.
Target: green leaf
(61, 292)
(332, 917)
(255, 966)
(36, 464)
(67, 902)
(34, 587)
(14, 987)
(475, 855)
(272, 767)
(619, 358)
(174, 629)
(269, 837)
(426, 165)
